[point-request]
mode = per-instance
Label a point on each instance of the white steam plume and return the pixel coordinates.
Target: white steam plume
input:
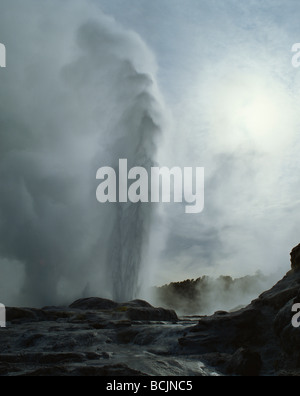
(78, 93)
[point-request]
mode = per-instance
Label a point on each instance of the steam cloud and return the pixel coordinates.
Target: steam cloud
(206, 295)
(75, 96)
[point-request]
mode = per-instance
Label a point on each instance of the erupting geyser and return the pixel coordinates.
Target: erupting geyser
(132, 220)
(86, 98)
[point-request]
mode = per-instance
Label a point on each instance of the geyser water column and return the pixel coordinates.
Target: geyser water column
(132, 130)
(129, 238)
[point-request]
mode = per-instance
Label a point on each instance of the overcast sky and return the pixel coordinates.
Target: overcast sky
(224, 68)
(230, 100)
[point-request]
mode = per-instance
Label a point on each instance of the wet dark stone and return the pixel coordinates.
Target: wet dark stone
(245, 362)
(151, 314)
(94, 304)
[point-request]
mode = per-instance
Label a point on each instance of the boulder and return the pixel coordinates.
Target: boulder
(138, 304)
(295, 257)
(133, 310)
(94, 303)
(223, 333)
(245, 362)
(151, 314)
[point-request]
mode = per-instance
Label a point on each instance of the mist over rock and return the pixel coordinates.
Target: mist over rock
(205, 295)
(264, 328)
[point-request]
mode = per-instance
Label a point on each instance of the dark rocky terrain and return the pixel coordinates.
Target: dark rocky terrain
(95, 337)
(98, 337)
(258, 339)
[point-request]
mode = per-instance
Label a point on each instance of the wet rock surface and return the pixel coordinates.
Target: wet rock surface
(256, 340)
(97, 337)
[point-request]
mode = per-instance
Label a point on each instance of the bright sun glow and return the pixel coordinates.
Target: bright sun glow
(255, 112)
(252, 111)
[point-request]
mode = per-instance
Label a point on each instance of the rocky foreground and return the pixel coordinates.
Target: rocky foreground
(257, 340)
(95, 337)
(98, 337)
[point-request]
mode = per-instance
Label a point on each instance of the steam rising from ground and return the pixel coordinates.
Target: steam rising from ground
(78, 93)
(206, 295)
